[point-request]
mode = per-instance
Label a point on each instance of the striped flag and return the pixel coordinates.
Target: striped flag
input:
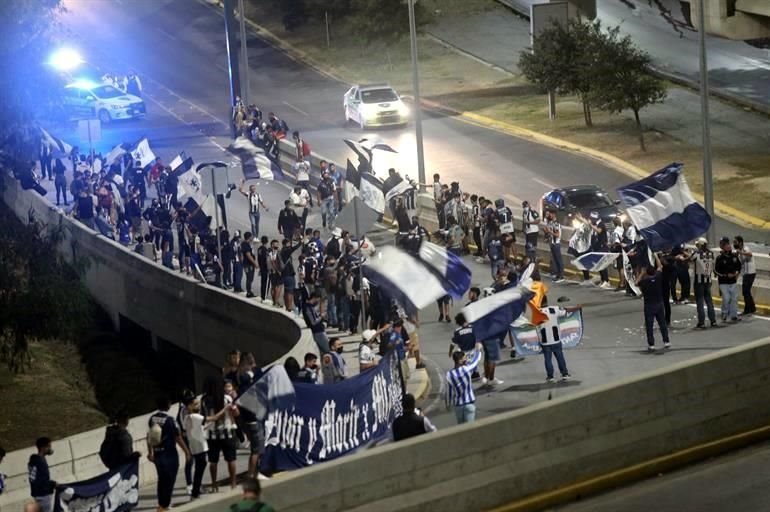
(272, 391)
(663, 208)
(526, 339)
(417, 280)
(595, 261)
(255, 163)
(492, 316)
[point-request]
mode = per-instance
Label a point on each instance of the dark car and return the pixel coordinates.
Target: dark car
(582, 199)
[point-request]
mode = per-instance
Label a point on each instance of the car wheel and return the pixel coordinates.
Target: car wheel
(104, 116)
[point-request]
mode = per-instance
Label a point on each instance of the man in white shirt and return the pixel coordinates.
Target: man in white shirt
(300, 200)
(531, 226)
(549, 333)
(367, 359)
(255, 202)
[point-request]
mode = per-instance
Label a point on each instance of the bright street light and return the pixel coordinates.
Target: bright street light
(65, 59)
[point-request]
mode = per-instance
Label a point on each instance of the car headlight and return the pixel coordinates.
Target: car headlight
(403, 110)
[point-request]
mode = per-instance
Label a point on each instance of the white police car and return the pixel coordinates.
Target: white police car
(89, 100)
(374, 105)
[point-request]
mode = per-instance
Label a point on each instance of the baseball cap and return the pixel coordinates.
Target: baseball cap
(368, 334)
(701, 241)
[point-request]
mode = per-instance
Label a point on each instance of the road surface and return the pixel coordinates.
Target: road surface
(180, 55)
(738, 481)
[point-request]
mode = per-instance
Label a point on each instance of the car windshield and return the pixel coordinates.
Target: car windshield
(107, 91)
(589, 199)
(378, 95)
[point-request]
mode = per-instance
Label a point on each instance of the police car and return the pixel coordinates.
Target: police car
(89, 100)
(374, 105)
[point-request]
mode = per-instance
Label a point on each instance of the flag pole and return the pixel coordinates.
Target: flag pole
(360, 272)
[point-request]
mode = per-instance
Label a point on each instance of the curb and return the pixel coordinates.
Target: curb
(637, 472)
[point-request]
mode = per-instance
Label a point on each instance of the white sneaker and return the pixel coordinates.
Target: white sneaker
(484, 381)
(605, 285)
(650, 348)
(586, 282)
(495, 382)
(189, 490)
(667, 345)
(260, 476)
(550, 379)
(566, 377)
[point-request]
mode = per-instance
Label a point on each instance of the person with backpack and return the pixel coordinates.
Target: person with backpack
(118, 445)
(250, 502)
(162, 439)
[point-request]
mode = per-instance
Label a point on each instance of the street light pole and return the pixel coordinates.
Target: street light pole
(244, 56)
(416, 88)
(232, 56)
(708, 179)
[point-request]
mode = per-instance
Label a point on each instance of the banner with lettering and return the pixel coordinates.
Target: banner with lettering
(526, 339)
(114, 491)
(329, 421)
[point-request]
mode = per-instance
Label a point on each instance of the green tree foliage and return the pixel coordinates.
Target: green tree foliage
(27, 29)
(564, 59)
(41, 295)
(622, 81)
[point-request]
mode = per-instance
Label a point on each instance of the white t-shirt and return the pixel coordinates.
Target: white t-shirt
(365, 354)
(195, 427)
(749, 267)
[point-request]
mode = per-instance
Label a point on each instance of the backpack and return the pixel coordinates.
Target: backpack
(108, 451)
(155, 435)
(305, 148)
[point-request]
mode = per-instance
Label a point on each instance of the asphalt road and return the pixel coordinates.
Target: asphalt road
(659, 28)
(739, 481)
(179, 51)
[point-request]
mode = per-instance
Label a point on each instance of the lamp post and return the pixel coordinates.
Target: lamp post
(232, 55)
(708, 180)
(244, 56)
(416, 88)
(65, 59)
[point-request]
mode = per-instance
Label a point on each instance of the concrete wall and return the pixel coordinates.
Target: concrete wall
(744, 23)
(543, 447)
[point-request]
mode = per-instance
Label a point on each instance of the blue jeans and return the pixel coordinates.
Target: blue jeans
(653, 312)
(238, 276)
(557, 264)
(254, 219)
(729, 300)
(327, 211)
(703, 296)
(465, 413)
(495, 267)
(344, 313)
(331, 309)
(554, 350)
(322, 341)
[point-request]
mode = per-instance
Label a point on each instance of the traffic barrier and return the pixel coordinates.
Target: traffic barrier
(548, 446)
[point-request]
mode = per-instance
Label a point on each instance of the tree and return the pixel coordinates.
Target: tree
(564, 60)
(27, 28)
(622, 81)
(41, 295)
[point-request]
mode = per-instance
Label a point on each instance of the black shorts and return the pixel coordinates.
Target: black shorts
(276, 280)
(226, 446)
(255, 433)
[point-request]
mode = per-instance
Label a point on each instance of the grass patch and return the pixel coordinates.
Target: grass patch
(55, 398)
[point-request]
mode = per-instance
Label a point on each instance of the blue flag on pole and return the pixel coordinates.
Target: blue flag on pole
(492, 315)
(113, 491)
(663, 208)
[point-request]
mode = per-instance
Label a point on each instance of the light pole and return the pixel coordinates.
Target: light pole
(416, 88)
(244, 56)
(708, 180)
(232, 59)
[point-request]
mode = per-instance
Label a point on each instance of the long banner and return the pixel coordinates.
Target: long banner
(114, 491)
(527, 341)
(329, 421)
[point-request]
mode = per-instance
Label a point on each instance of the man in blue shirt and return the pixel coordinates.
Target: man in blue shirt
(40, 483)
(460, 393)
(650, 281)
(162, 439)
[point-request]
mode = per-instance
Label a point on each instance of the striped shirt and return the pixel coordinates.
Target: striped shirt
(549, 331)
(459, 388)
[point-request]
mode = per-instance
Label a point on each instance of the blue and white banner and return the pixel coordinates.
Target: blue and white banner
(255, 163)
(417, 280)
(115, 153)
(580, 241)
(114, 491)
(329, 421)
(400, 188)
(595, 261)
(663, 209)
(526, 339)
(273, 391)
(492, 316)
(371, 192)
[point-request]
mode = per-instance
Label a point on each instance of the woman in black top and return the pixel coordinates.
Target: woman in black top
(60, 181)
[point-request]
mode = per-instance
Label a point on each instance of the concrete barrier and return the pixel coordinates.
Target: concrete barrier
(541, 448)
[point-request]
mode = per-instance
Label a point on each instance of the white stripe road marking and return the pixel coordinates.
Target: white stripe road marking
(296, 109)
(544, 183)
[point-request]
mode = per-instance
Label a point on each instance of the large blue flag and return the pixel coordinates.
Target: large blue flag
(113, 491)
(595, 261)
(492, 315)
(256, 164)
(663, 209)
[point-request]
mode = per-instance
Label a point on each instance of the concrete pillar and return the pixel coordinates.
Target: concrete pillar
(734, 19)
